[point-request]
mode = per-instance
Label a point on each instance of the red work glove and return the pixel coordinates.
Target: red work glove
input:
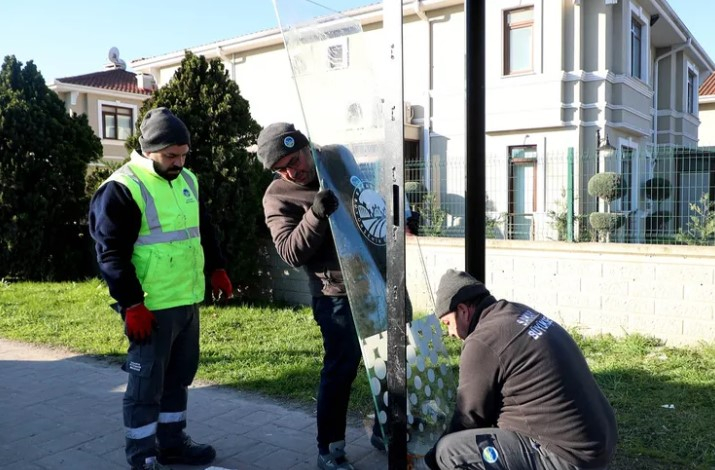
(139, 323)
(221, 284)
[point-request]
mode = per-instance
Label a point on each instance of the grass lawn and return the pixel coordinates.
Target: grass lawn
(277, 352)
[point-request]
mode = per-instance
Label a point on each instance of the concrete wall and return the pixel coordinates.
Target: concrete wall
(663, 291)
(707, 123)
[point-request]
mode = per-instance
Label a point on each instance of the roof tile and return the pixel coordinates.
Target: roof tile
(708, 86)
(115, 80)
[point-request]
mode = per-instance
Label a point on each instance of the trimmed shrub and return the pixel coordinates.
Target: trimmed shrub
(657, 189)
(606, 221)
(608, 186)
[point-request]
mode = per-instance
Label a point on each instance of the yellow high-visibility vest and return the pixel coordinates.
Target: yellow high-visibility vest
(167, 256)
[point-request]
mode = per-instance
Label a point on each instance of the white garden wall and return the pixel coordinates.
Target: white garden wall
(663, 291)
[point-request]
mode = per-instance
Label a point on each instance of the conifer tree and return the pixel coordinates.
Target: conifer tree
(231, 180)
(44, 153)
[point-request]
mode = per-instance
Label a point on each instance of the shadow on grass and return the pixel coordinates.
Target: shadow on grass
(294, 382)
(662, 423)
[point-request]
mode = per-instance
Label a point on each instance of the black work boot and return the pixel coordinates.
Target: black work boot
(189, 453)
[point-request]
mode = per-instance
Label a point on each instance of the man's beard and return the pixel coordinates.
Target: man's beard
(169, 174)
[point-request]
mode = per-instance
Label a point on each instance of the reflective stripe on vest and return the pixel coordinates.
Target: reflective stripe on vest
(156, 235)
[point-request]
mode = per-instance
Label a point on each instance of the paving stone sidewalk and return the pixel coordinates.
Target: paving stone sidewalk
(60, 410)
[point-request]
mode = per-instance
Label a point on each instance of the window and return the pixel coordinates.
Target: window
(692, 91)
(628, 173)
(522, 191)
(116, 122)
(519, 41)
(337, 54)
(636, 48)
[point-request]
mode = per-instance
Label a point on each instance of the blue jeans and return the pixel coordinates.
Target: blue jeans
(340, 364)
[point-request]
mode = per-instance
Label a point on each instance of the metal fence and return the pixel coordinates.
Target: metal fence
(661, 195)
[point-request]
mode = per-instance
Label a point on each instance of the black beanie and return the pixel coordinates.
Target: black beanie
(161, 129)
(278, 140)
(457, 287)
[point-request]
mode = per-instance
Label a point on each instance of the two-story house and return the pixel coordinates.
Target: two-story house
(111, 100)
(577, 74)
(619, 75)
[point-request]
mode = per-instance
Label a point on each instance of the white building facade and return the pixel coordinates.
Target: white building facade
(560, 74)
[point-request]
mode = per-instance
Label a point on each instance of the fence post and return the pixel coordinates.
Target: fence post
(569, 195)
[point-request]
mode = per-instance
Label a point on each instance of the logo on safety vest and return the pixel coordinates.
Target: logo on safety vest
(369, 211)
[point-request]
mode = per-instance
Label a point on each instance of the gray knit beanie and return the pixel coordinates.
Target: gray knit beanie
(161, 129)
(278, 140)
(457, 287)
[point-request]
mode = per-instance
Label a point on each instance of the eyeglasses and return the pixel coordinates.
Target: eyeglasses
(292, 163)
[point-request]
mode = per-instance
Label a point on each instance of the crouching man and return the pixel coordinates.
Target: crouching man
(526, 397)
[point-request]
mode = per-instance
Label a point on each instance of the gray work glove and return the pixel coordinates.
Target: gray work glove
(324, 204)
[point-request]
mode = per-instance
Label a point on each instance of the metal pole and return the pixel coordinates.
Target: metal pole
(475, 199)
(395, 275)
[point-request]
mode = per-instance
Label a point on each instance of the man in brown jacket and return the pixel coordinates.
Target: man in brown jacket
(296, 212)
(526, 398)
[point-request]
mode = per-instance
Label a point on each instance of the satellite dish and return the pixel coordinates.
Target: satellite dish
(114, 59)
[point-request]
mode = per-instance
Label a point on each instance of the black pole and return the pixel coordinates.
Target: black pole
(474, 244)
(395, 272)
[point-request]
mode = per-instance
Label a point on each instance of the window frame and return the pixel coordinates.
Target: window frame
(691, 89)
(506, 42)
(102, 111)
(513, 162)
(642, 18)
(337, 61)
(636, 56)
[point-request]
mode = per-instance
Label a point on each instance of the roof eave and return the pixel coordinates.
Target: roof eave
(685, 33)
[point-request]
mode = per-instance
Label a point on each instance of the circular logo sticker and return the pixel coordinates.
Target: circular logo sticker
(370, 211)
(490, 454)
(289, 142)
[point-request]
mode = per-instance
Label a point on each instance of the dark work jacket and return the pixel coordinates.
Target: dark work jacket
(522, 372)
(302, 239)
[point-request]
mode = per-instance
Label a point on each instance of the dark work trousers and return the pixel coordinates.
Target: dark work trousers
(160, 373)
(340, 364)
(495, 449)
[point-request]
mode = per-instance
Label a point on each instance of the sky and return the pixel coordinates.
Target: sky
(66, 38)
(73, 37)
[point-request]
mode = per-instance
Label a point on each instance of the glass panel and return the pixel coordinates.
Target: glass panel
(518, 16)
(125, 127)
(691, 92)
(110, 126)
(520, 49)
(635, 48)
(523, 195)
(627, 172)
(354, 171)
